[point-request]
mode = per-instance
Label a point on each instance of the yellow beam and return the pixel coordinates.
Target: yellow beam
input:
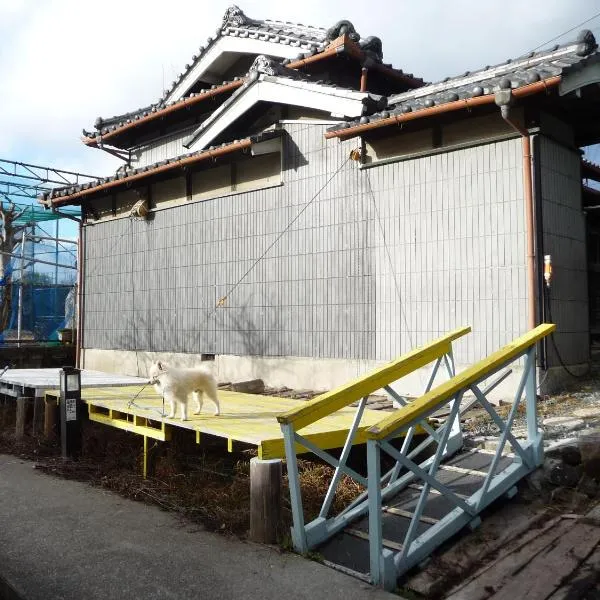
(145, 465)
(328, 403)
(162, 434)
(444, 392)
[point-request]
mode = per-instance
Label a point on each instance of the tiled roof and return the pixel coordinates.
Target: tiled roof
(116, 125)
(309, 40)
(590, 170)
(268, 70)
(512, 74)
(74, 193)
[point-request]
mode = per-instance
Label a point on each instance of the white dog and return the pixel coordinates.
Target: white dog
(175, 386)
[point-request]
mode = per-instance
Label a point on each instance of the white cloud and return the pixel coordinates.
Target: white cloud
(68, 61)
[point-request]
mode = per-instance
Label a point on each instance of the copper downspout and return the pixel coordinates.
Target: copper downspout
(529, 216)
(526, 90)
(363, 79)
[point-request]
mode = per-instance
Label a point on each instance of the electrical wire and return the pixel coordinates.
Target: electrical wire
(222, 300)
(553, 341)
(568, 31)
(389, 255)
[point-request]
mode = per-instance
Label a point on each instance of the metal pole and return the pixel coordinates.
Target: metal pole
(32, 314)
(56, 267)
(20, 300)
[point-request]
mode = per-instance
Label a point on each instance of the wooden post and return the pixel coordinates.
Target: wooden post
(23, 404)
(51, 418)
(38, 415)
(265, 500)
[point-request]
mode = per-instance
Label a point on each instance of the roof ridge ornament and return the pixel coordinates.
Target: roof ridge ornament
(267, 66)
(586, 42)
(343, 27)
(372, 47)
(235, 17)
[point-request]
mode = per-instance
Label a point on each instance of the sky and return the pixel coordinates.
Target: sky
(63, 63)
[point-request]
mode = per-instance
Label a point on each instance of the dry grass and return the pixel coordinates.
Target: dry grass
(204, 484)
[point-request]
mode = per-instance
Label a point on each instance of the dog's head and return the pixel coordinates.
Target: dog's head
(156, 370)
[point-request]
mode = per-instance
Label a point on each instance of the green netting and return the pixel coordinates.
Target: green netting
(36, 214)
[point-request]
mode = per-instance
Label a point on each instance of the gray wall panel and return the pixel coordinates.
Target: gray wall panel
(383, 260)
(565, 240)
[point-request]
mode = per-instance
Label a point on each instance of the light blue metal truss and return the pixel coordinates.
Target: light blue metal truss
(386, 564)
(308, 535)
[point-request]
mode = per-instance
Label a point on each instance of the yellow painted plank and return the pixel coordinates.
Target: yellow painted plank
(247, 418)
(335, 438)
(346, 394)
(442, 393)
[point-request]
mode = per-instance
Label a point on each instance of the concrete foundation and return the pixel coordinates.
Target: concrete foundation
(306, 373)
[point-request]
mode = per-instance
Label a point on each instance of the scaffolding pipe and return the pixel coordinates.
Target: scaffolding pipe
(35, 238)
(79, 298)
(38, 260)
(20, 300)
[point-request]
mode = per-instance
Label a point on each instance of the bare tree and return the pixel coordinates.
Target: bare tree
(9, 232)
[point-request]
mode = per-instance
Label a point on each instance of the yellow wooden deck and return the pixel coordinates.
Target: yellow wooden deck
(246, 418)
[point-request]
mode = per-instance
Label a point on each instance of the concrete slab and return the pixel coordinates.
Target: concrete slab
(64, 539)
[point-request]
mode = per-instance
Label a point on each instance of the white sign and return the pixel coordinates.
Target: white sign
(71, 409)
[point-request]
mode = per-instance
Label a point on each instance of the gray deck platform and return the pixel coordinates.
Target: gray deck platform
(15, 381)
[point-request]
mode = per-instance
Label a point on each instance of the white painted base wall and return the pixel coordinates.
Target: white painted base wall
(303, 373)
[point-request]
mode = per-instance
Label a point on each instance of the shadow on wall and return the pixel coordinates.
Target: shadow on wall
(246, 331)
(293, 158)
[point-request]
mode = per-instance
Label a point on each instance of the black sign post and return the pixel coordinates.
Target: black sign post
(72, 411)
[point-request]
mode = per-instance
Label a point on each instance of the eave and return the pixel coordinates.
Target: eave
(466, 103)
(76, 194)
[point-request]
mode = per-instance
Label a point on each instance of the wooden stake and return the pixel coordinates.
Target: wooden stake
(23, 403)
(39, 417)
(265, 500)
(51, 418)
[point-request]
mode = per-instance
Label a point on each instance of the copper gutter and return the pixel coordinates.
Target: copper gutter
(332, 50)
(526, 90)
(186, 102)
(207, 154)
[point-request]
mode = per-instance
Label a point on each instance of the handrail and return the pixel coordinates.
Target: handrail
(331, 401)
(421, 407)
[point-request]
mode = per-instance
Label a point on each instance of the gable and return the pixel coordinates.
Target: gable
(272, 83)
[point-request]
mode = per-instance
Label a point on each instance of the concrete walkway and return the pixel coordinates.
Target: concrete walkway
(66, 540)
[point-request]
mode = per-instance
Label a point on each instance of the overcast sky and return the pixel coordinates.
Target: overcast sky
(65, 62)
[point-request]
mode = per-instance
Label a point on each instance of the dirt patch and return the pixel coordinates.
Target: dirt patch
(203, 483)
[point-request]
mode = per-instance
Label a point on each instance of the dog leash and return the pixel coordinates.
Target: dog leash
(132, 402)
